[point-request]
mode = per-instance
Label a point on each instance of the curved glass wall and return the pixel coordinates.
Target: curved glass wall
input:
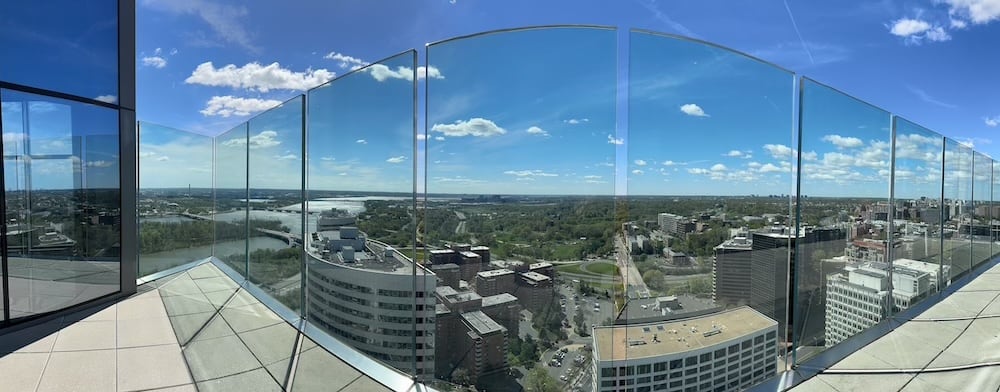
(958, 209)
(682, 223)
(175, 198)
(520, 222)
(275, 200)
(710, 159)
(916, 224)
(843, 220)
(232, 198)
(362, 284)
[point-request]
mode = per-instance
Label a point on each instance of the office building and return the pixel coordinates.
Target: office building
(731, 272)
(729, 350)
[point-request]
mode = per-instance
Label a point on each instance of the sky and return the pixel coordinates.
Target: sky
(574, 110)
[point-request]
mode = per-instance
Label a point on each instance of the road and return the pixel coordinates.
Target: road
(461, 222)
(635, 287)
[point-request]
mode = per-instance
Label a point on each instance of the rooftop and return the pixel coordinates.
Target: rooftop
(481, 323)
(617, 343)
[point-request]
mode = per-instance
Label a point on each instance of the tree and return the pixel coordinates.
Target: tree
(655, 280)
(539, 380)
(461, 376)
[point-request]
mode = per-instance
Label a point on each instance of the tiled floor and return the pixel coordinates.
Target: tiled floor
(196, 330)
(953, 346)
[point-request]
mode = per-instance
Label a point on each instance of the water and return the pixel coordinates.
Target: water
(167, 219)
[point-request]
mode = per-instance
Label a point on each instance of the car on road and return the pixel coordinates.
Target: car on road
(563, 377)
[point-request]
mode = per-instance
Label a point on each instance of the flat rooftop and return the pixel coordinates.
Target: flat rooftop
(498, 299)
(535, 276)
(495, 273)
(621, 342)
(481, 323)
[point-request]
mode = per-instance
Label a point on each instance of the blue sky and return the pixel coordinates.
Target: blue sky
(700, 121)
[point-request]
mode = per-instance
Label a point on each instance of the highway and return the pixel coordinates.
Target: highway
(635, 287)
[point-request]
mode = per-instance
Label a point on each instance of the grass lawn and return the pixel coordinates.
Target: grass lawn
(602, 269)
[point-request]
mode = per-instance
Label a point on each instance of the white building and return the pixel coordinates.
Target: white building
(729, 350)
(371, 301)
(858, 296)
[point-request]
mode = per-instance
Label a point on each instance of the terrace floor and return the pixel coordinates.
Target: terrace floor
(192, 331)
(952, 346)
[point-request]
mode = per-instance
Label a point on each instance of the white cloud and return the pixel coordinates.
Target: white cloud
(421, 136)
(477, 126)
(779, 151)
(529, 173)
(691, 109)
(100, 164)
(670, 163)
(439, 138)
(640, 162)
(992, 122)
(346, 62)
(154, 61)
(718, 167)
(264, 139)
(286, 157)
(142, 154)
(843, 142)
(257, 77)
(770, 168)
(229, 105)
(328, 159)
(914, 31)
(615, 141)
(382, 73)
(398, 159)
(810, 156)
(574, 121)
(906, 27)
(698, 171)
(163, 158)
(734, 153)
(537, 131)
(592, 177)
(976, 11)
(753, 165)
(637, 172)
(107, 98)
(361, 141)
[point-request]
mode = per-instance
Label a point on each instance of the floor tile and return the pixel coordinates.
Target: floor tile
(145, 332)
(365, 384)
(92, 335)
(318, 370)
(103, 313)
(898, 348)
(256, 380)
(147, 305)
(221, 357)
(959, 304)
(186, 326)
(151, 367)
(34, 339)
(869, 382)
(980, 379)
(21, 372)
(80, 371)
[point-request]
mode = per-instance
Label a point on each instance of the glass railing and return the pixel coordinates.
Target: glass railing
(664, 215)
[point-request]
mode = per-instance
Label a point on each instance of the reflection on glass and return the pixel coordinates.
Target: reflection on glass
(979, 225)
(958, 210)
(62, 45)
(844, 219)
(520, 218)
(62, 198)
(708, 222)
(916, 223)
(362, 284)
(175, 198)
(275, 150)
(231, 199)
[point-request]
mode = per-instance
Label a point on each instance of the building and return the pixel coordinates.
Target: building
(534, 290)
(495, 282)
(470, 329)
(864, 250)
(484, 350)
(858, 296)
(367, 297)
(543, 268)
(448, 274)
(729, 350)
(674, 225)
(731, 272)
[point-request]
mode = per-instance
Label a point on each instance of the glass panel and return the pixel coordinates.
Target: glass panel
(957, 245)
(175, 198)
(978, 227)
(62, 196)
(63, 45)
(363, 286)
(520, 177)
(276, 200)
(710, 224)
(841, 242)
(231, 200)
(916, 236)
(995, 210)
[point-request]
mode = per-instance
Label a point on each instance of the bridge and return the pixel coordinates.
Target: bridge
(292, 239)
(195, 217)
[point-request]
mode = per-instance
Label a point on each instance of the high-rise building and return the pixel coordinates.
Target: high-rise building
(731, 272)
(861, 295)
